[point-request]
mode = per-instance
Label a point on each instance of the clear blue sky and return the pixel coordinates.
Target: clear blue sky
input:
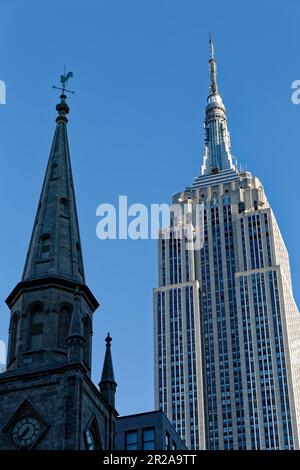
(136, 128)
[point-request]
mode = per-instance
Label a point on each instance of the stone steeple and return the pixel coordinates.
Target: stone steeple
(52, 307)
(55, 248)
(108, 384)
(47, 387)
(217, 151)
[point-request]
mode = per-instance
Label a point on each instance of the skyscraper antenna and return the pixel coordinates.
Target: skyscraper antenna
(211, 46)
(213, 67)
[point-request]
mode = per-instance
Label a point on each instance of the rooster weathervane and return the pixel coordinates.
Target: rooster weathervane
(64, 80)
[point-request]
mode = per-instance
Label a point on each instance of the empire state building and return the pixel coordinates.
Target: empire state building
(226, 326)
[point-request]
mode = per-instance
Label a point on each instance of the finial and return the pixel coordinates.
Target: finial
(62, 108)
(107, 383)
(108, 339)
(213, 67)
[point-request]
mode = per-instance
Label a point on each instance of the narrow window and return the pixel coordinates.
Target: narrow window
(13, 336)
(36, 330)
(79, 258)
(64, 319)
(45, 246)
(148, 439)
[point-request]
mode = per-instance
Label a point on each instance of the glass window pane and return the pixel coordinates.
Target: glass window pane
(131, 447)
(131, 437)
(148, 434)
(148, 445)
(148, 439)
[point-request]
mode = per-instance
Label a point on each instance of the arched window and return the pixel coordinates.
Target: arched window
(92, 436)
(36, 328)
(64, 319)
(13, 330)
(87, 338)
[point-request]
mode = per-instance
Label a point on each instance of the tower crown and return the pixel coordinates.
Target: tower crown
(217, 151)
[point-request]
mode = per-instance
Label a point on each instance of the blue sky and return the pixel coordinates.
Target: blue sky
(136, 129)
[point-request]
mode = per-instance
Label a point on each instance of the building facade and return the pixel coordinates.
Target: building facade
(147, 431)
(47, 398)
(226, 326)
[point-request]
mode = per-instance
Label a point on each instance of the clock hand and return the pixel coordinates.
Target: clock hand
(25, 432)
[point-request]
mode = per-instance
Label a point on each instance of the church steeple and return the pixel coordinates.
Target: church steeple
(55, 248)
(47, 385)
(217, 151)
(52, 307)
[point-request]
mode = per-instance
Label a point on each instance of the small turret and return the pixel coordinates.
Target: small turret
(108, 384)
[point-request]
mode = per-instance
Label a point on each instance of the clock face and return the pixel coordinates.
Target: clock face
(25, 431)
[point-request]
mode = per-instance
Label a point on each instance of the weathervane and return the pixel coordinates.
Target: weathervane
(64, 80)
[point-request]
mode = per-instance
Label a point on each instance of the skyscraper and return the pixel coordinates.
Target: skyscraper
(226, 326)
(47, 398)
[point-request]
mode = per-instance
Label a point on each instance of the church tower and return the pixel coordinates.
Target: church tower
(47, 398)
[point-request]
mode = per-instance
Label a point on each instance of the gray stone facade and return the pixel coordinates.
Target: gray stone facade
(64, 399)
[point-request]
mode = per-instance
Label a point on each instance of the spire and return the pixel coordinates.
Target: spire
(213, 67)
(107, 384)
(53, 272)
(55, 248)
(217, 151)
